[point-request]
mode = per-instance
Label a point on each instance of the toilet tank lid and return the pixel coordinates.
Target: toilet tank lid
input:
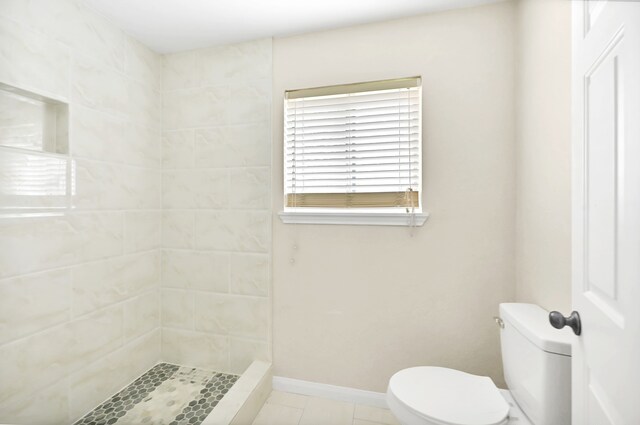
(532, 321)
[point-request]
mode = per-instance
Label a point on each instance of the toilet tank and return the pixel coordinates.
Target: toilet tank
(537, 363)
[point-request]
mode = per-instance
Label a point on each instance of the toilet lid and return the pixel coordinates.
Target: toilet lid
(449, 396)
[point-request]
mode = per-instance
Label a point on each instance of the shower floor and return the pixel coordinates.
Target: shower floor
(166, 394)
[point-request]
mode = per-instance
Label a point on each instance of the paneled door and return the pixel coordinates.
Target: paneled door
(606, 211)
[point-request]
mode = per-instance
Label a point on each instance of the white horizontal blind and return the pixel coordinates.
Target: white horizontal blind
(355, 149)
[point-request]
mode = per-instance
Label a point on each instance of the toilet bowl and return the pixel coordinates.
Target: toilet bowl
(537, 367)
(440, 396)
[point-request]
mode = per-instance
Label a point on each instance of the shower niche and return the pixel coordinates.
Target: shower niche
(35, 166)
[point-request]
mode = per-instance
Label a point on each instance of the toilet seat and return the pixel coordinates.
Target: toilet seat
(447, 397)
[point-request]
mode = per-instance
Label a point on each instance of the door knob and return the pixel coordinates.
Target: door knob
(558, 321)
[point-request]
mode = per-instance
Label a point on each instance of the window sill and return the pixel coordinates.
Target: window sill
(363, 219)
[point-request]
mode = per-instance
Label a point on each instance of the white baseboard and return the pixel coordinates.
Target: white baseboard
(334, 392)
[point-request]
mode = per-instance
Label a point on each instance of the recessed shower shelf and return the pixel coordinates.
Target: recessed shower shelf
(35, 166)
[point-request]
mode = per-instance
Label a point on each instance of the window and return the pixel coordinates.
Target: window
(353, 153)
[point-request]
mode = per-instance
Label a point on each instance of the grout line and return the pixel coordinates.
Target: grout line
(209, 210)
(193, 331)
(125, 119)
(205, 127)
(161, 281)
(80, 317)
(213, 251)
(114, 162)
(216, 167)
(231, 83)
(75, 265)
(218, 126)
(205, 292)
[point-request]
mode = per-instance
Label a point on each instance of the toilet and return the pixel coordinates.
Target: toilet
(537, 368)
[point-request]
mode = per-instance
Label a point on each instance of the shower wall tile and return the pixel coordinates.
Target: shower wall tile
(249, 102)
(144, 104)
(178, 149)
(216, 205)
(40, 243)
(195, 188)
(143, 145)
(80, 288)
(113, 186)
(31, 303)
(31, 61)
(107, 137)
(97, 135)
(178, 229)
(238, 146)
(177, 308)
(34, 362)
(233, 230)
(236, 103)
(232, 315)
(142, 314)
(98, 87)
(95, 335)
(182, 70)
(250, 274)
(98, 381)
(199, 107)
(243, 351)
(142, 230)
(202, 270)
(196, 349)
(250, 188)
(143, 64)
(240, 62)
(32, 180)
(47, 406)
(102, 283)
(70, 22)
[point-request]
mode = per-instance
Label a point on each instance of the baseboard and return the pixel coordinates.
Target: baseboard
(334, 392)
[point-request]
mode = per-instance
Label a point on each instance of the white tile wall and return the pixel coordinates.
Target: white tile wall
(201, 270)
(216, 206)
(38, 62)
(101, 283)
(198, 349)
(234, 146)
(80, 292)
(33, 302)
(165, 253)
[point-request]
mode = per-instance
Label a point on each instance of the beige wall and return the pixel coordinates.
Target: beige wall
(79, 292)
(216, 206)
(543, 159)
(352, 305)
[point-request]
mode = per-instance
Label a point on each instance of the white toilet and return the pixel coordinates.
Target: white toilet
(537, 367)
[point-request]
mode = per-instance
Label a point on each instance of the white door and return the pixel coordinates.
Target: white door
(606, 211)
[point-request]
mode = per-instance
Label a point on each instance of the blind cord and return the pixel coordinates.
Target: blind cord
(411, 212)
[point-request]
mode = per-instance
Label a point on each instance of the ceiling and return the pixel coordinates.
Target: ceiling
(175, 25)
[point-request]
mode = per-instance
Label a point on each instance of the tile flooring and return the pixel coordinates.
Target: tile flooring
(165, 395)
(294, 409)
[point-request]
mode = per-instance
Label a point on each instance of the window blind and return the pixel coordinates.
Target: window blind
(354, 146)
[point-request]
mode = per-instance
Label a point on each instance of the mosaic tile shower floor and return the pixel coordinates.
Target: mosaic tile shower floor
(165, 395)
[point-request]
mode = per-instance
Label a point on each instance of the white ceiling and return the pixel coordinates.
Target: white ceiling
(176, 25)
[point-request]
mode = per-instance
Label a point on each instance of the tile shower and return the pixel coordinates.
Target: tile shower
(162, 253)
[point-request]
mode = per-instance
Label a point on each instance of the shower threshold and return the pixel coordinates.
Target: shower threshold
(166, 394)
